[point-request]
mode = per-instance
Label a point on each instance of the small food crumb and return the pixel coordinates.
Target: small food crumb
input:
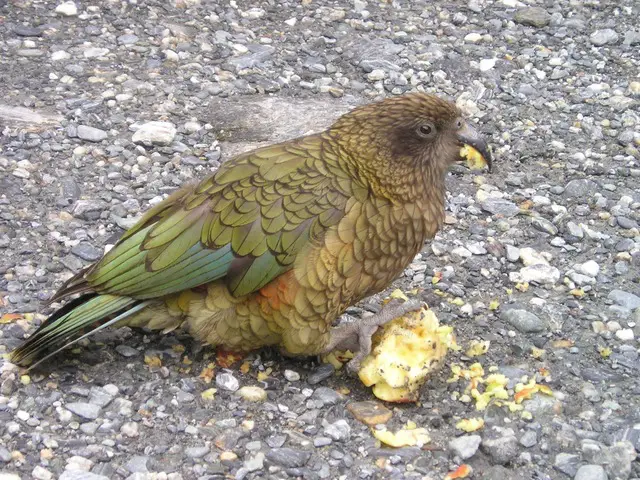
(406, 437)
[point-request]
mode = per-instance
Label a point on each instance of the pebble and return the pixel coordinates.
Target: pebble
(501, 445)
(499, 206)
(539, 273)
(255, 463)
(523, 321)
(80, 475)
(5, 455)
(533, 16)
(196, 452)
(579, 188)
(41, 473)
(370, 412)
(529, 439)
(126, 351)
(84, 410)
(339, 430)
(590, 472)
(155, 133)
(567, 463)
(67, 9)
(288, 457)
(291, 376)
(589, 268)
(603, 37)
(91, 134)
(465, 446)
(130, 429)
(320, 373)
(624, 299)
(227, 381)
(326, 396)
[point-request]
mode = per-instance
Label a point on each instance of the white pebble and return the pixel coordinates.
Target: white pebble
(68, 9)
(625, 334)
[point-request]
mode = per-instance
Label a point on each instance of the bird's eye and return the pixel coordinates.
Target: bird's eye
(458, 123)
(426, 130)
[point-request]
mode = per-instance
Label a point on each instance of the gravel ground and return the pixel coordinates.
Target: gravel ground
(551, 236)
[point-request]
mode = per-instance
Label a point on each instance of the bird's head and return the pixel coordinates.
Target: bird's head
(409, 135)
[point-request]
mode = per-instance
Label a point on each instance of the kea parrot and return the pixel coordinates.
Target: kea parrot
(272, 248)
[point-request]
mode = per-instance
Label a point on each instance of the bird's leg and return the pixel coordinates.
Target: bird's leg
(356, 335)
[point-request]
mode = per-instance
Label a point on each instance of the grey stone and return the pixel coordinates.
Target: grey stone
(196, 452)
(603, 37)
(544, 225)
(500, 206)
(339, 430)
(5, 455)
(567, 463)
(626, 300)
(465, 446)
(255, 463)
(616, 459)
(91, 134)
(138, 464)
(80, 475)
(501, 445)
(326, 396)
(533, 16)
(257, 54)
(99, 397)
(227, 381)
(320, 373)
(85, 410)
(523, 321)
(126, 351)
(86, 251)
(591, 472)
(579, 188)
(288, 457)
(529, 439)
(155, 133)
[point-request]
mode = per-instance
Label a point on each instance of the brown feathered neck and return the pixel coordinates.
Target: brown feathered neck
(381, 147)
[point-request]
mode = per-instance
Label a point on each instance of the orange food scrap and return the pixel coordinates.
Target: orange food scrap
(245, 367)
(207, 373)
(463, 471)
(225, 358)
(526, 391)
(10, 317)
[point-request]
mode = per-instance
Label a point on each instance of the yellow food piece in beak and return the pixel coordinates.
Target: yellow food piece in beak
(405, 353)
(475, 160)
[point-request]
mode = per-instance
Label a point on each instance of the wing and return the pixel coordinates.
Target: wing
(244, 224)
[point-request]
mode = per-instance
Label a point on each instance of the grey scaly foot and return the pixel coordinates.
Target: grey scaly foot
(356, 335)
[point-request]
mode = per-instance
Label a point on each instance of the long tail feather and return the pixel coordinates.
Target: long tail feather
(75, 321)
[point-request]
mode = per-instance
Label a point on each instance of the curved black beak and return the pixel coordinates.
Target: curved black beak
(468, 135)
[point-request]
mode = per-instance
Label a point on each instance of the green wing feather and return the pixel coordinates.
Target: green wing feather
(244, 224)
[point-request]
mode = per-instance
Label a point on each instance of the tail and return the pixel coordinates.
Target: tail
(76, 320)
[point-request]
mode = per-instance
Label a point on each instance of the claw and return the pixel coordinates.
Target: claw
(356, 335)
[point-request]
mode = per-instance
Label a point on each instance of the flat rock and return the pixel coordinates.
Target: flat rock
(87, 411)
(533, 16)
(465, 446)
(91, 134)
(155, 133)
(370, 412)
(523, 321)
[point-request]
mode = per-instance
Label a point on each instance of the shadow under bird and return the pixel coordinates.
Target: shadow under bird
(274, 246)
